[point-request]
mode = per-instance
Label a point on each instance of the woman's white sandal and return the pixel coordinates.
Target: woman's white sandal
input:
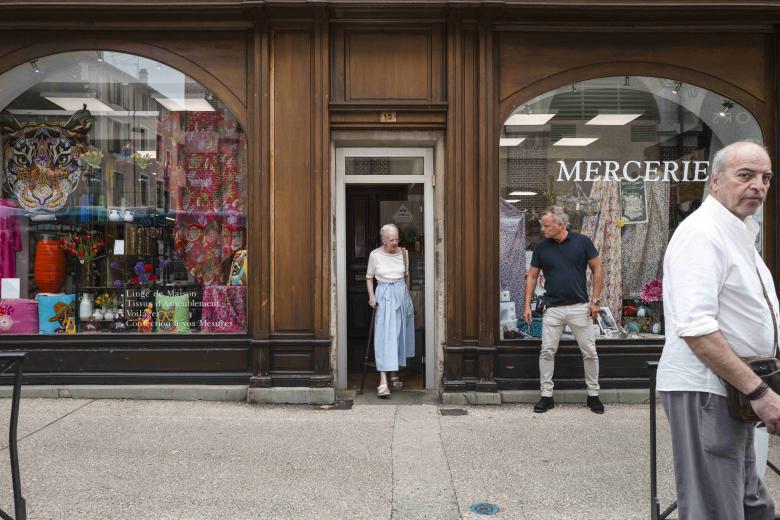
(382, 391)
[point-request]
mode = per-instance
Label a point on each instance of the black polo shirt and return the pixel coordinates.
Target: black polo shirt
(563, 265)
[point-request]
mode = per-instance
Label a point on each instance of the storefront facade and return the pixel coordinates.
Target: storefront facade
(219, 173)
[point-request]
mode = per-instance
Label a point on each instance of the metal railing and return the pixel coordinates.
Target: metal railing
(8, 361)
(655, 503)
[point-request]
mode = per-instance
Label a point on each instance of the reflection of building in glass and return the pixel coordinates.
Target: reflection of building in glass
(161, 198)
(560, 147)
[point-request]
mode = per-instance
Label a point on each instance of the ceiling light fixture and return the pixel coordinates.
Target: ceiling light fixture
(523, 194)
(512, 201)
(725, 107)
(34, 65)
(575, 141)
(528, 119)
(612, 119)
(677, 86)
(184, 104)
(507, 142)
(76, 103)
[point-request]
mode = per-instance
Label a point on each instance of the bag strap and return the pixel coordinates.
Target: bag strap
(406, 261)
(771, 310)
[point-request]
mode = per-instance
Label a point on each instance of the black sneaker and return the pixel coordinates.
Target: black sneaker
(595, 404)
(544, 404)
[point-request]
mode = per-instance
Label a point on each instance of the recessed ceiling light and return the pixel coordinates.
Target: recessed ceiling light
(575, 141)
(77, 103)
(528, 119)
(185, 105)
(512, 201)
(511, 141)
(522, 193)
(612, 119)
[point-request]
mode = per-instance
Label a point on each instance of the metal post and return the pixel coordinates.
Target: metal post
(15, 360)
(19, 504)
(655, 505)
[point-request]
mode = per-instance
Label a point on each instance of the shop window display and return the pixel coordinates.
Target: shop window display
(627, 158)
(123, 203)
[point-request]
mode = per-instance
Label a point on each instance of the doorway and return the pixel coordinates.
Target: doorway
(377, 186)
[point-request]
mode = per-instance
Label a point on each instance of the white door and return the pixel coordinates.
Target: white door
(379, 186)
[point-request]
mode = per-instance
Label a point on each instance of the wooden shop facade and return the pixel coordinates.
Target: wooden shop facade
(191, 189)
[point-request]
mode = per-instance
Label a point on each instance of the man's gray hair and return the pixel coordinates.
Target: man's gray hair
(557, 213)
(722, 156)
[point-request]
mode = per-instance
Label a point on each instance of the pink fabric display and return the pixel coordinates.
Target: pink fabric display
(224, 309)
(18, 316)
(10, 238)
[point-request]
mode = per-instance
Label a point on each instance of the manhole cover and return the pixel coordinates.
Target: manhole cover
(484, 508)
(453, 411)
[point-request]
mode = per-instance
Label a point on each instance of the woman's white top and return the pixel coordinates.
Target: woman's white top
(384, 266)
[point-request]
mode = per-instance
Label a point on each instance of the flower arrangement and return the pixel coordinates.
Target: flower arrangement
(653, 291)
(142, 160)
(93, 159)
(85, 246)
(104, 300)
(144, 273)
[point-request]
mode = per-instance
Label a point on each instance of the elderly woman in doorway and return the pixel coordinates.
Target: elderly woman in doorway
(394, 313)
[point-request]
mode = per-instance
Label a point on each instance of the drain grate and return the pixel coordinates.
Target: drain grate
(341, 404)
(484, 508)
(452, 411)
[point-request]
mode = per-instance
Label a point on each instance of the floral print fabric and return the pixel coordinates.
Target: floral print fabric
(224, 308)
(644, 244)
(211, 221)
(512, 241)
(603, 229)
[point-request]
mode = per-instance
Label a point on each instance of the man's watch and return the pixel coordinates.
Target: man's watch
(596, 301)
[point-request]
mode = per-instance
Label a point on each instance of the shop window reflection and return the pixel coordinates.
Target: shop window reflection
(103, 228)
(627, 158)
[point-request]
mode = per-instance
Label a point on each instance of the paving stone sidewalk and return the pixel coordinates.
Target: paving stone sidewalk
(114, 459)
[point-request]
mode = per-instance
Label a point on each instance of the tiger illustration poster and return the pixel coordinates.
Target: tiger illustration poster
(41, 160)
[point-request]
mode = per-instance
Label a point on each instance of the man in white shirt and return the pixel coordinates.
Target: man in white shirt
(716, 312)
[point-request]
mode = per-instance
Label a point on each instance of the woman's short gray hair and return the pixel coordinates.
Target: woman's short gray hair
(386, 228)
(557, 213)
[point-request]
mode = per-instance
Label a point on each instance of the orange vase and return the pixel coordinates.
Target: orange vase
(49, 267)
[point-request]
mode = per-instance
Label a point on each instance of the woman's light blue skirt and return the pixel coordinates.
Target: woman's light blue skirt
(394, 326)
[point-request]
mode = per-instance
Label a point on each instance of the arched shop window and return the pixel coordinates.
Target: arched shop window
(123, 204)
(628, 159)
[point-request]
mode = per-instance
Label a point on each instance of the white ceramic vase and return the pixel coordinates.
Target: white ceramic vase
(86, 307)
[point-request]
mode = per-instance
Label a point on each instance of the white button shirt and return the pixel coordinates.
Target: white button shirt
(710, 284)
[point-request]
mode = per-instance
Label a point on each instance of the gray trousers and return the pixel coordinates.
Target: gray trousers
(581, 325)
(714, 461)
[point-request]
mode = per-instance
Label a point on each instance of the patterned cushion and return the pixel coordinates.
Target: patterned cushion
(173, 314)
(224, 309)
(18, 316)
(56, 313)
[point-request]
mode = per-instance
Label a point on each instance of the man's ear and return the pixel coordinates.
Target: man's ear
(714, 182)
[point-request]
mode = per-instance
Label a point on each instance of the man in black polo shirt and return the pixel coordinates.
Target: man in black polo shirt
(563, 256)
